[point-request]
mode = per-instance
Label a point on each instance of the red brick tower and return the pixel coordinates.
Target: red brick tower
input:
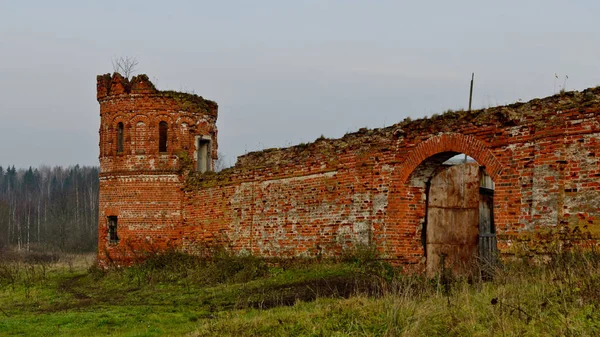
(146, 135)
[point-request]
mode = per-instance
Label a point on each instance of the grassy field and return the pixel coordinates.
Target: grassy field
(179, 295)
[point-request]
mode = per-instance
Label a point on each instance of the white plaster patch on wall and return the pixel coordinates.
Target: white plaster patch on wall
(387, 168)
(241, 212)
(518, 146)
(582, 167)
(380, 202)
(361, 232)
(544, 205)
(343, 233)
(265, 183)
(519, 130)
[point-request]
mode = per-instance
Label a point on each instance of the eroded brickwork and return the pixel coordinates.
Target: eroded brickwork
(366, 187)
(141, 185)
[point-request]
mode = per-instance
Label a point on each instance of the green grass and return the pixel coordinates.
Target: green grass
(149, 300)
(178, 295)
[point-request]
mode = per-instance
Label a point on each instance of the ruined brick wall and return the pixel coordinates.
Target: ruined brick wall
(287, 213)
(369, 186)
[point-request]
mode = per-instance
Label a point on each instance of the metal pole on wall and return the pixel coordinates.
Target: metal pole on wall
(471, 92)
(470, 100)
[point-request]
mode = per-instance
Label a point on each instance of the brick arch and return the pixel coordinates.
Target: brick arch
(139, 118)
(155, 133)
(162, 118)
(403, 233)
(120, 118)
(183, 116)
(191, 123)
(139, 135)
(154, 122)
(186, 119)
(451, 142)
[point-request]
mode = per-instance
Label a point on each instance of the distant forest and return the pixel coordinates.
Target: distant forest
(49, 209)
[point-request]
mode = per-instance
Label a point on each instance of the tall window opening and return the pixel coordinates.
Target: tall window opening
(204, 150)
(112, 230)
(162, 137)
(120, 137)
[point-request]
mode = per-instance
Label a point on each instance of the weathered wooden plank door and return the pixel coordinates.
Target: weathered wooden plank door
(452, 231)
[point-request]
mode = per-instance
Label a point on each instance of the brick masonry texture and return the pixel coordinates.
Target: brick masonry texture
(318, 199)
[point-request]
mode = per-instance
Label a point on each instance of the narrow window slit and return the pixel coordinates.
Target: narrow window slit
(162, 137)
(112, 230)
(120, 137)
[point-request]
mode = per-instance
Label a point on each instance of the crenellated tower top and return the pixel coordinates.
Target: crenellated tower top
(116, 84)
(147, 130)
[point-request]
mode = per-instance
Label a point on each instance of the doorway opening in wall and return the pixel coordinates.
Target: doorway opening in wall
(458, 230)
(203, 154)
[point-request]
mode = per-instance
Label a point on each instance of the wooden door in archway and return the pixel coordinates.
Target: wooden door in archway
(452, 224)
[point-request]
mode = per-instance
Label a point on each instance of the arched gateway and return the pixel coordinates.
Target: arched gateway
(450, 204)
(390, 188)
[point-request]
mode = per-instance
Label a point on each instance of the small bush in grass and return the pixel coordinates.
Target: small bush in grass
(96, 272)
(243, 268)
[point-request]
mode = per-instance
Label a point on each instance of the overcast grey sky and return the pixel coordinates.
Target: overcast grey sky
(283, 72)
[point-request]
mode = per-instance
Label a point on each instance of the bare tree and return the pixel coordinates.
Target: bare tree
(125, 66)
(220, 162)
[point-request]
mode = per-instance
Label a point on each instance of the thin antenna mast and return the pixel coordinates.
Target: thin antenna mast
(471, 91)
(470, 100)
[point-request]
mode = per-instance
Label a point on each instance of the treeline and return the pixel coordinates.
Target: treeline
(49, 209)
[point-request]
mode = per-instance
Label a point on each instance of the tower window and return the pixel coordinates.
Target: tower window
(162, 137)
(120, 137)
(203, 151)
(112, 230)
